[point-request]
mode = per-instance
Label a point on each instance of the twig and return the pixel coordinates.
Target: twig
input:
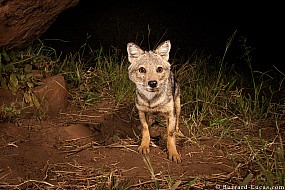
(142, 183)
(5, 175)
(124, 120)
(79, 138)
(81, 115)
(31, 180)
(88, 145)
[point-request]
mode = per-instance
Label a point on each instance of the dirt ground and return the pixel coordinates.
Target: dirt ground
(97, 147)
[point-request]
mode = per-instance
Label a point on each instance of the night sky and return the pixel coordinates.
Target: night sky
(191, 27)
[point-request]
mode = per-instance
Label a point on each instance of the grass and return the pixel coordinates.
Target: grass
(216, 100)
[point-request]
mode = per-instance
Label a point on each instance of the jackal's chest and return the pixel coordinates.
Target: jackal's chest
(154, 102)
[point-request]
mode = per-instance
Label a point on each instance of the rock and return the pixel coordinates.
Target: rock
(52, 94)
(21, 22)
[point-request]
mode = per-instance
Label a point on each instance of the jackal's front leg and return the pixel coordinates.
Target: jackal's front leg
(144, 147)
(171, 146)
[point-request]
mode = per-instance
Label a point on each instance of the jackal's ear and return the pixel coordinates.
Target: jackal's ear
(134, 51)
(163, 50)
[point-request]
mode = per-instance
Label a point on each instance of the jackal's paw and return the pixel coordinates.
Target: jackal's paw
(143, 149)
(175, 158)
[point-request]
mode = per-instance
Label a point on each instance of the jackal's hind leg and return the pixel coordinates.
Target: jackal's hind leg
(150, 119)
(177, 107)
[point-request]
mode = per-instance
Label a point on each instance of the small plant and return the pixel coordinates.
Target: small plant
(269, 157)
(9, 113)
(21, 71)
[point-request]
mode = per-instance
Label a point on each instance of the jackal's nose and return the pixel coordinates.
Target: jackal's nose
(152, 83)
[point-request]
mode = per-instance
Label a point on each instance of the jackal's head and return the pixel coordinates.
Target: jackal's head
(149, 70)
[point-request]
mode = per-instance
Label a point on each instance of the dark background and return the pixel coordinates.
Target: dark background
(191, 27)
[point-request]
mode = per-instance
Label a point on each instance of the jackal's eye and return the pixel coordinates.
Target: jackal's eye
(159, 69)
(142, 70)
